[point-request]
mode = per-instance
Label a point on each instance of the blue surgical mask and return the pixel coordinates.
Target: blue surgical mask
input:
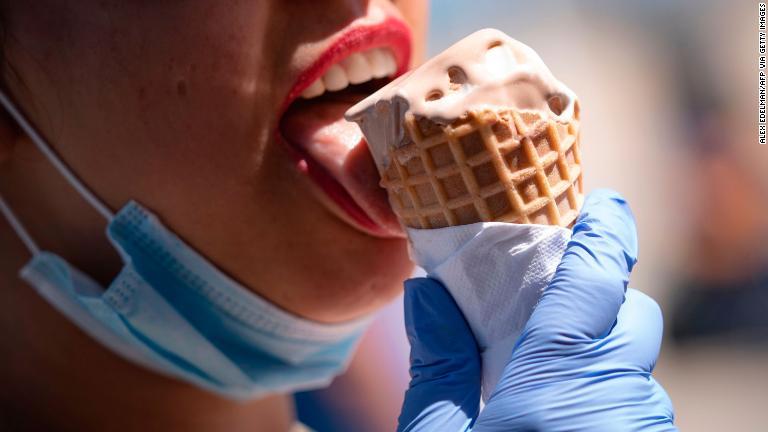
(172, 311)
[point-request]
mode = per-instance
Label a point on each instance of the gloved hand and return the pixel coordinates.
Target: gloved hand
(583, 361)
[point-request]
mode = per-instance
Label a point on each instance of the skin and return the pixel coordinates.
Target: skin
(171, 104)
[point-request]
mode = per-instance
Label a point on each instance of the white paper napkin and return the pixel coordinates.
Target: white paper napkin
(496, 273)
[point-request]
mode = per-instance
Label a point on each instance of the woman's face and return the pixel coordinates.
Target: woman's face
(187, 106)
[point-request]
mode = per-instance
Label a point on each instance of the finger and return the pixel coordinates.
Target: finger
(444, 391)
(636, 403)
(585, 294)
(665, 419)
(638, 333)
(632, 348)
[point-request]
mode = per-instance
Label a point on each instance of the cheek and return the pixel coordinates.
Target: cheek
(416, 13)
(172, 90)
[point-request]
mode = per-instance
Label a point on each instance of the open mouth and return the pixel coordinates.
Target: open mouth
(331, 150)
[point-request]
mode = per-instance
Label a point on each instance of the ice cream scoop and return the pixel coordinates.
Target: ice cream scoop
(481, 132)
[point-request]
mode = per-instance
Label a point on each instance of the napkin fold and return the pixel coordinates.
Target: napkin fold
(496, 273)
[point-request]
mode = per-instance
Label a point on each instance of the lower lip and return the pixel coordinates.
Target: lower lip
(391, 32)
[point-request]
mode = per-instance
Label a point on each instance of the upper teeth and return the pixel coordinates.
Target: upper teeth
(355, 69)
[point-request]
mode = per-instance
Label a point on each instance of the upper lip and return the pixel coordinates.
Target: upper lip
(390, 33)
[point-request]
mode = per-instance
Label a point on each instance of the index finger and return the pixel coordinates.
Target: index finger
(587, 290)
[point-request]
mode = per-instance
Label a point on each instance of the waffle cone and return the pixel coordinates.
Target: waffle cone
(489, 165)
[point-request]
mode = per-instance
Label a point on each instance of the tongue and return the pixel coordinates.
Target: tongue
(318, 129)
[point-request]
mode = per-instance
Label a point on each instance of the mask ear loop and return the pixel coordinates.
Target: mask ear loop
(43, 146)
(18, 227)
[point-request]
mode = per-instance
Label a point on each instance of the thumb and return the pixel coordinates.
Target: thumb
(444, 391)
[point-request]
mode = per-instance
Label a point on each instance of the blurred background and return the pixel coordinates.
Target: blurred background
(668, 92)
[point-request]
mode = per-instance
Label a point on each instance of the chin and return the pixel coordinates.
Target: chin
(370, 275)
(317, 264)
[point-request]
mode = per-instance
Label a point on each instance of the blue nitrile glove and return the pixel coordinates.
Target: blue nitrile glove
(583, 361)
